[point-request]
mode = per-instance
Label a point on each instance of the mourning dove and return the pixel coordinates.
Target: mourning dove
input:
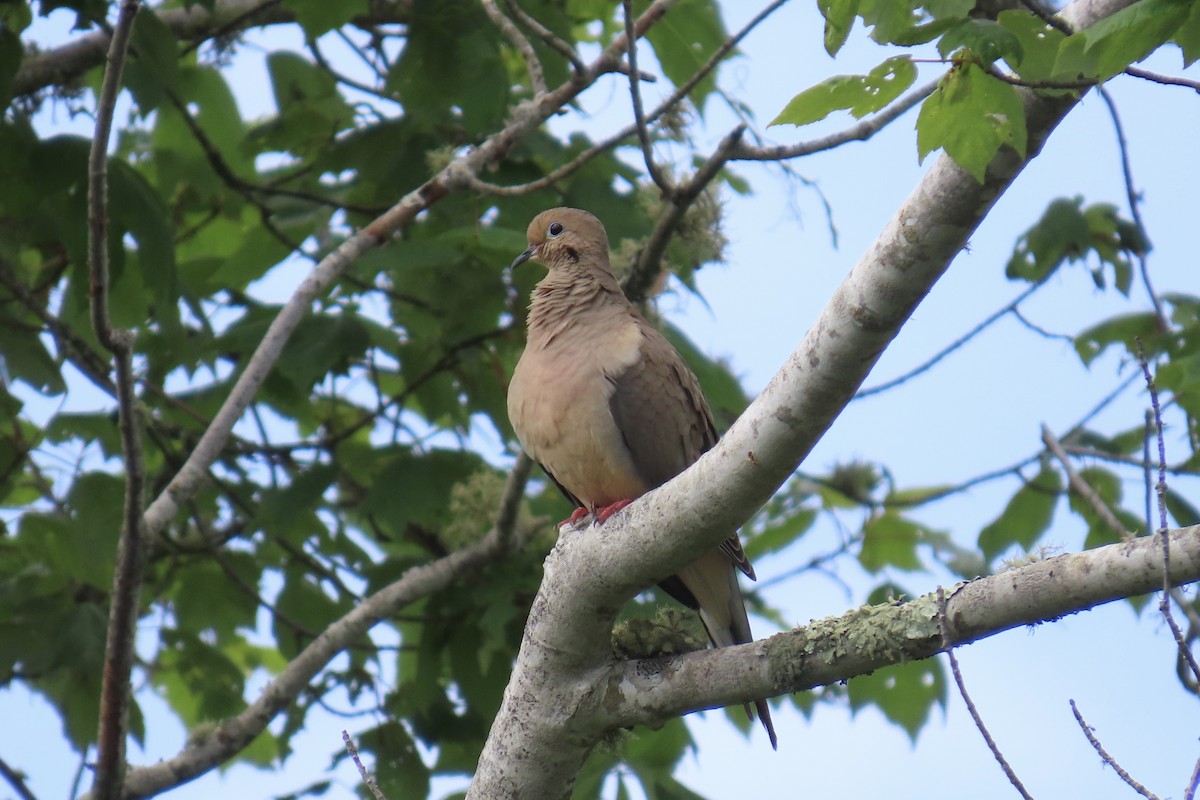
(604, 403)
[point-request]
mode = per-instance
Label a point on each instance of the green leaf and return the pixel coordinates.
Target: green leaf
(1188, 37)
(1181, 509)
(1119, 330)
(684, 39)
(860, 94)
(839, 19)
(1026, 516)
(319, 16)
(780, 536)
(905, 693)
(971, 116)
(451, 71)
(154, 69)
(1039, 43)
(1112, 44)
(413, 488)
(397, 765)
(987, 40)
(890, 540)
(1062, 232)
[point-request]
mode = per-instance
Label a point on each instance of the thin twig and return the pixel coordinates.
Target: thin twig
(1190, 792)
(648, 265)
(1080, 486)
(1167, 80)
(1164, 604)
(367, 777)
(1107, 758)
(639, 113)
(1132, 461)
(16, 779)
(537, 76)
(955, 345)
(130, 566)
(1135, 210)
(944, 623)
(612, 141)
(546, 35)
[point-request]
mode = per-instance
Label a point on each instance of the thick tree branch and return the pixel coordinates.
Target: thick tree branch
(869, 638)
(536, 745)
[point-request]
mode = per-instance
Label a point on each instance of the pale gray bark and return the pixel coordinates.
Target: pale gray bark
(545, 727)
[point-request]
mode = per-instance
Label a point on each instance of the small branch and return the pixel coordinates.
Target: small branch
(16, 779)
(955, 345)
(649, 261)
(1190, 792)
(367, 778)
(971, 709)
(131, 548)
(856, 133)
(1164, 603)
(1082, 487)
(639, 115)
(1166, 80)
(510, 503)
(1135, 210)
(1108, 759)
(537, 76)
(546, 35)
(612, 141)
(234, 733)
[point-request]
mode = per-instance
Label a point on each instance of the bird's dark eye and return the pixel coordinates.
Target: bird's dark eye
(555, 228)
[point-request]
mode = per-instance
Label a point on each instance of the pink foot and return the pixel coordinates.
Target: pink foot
(576, 515)
(603, 514)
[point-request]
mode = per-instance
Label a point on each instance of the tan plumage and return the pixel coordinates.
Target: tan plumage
(609, 409)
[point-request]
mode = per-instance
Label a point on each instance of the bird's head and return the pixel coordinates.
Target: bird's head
(562, 236)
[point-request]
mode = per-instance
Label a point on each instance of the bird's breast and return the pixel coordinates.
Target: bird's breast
(558, 403)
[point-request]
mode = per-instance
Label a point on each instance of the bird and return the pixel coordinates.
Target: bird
(606, 405)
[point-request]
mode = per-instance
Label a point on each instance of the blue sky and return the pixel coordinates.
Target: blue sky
(980, 409)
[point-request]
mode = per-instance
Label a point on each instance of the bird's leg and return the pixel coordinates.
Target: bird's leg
(602, 514)
(576, 515)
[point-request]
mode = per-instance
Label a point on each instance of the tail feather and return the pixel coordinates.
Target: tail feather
(728, 624)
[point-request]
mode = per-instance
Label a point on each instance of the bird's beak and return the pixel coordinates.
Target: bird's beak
(529, 253)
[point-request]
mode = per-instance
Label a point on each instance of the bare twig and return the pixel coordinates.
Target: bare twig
(612, 141)
(1164, 603)
(944, 623)
(131, 548)
(1190, 792)
(16, 779)
(1166, 80)
(367, 777)
(1011, 307)
(546, 35)
(1135, 209)
(1107, 758)
(639, 114)
(537, 76)
(1080, 486)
